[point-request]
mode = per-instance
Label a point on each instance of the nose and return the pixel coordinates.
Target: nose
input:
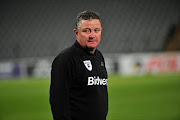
(92, 35)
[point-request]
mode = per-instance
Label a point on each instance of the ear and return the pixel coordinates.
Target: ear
(76, 32)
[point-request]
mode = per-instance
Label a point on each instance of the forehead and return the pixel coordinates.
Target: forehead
(90, 23)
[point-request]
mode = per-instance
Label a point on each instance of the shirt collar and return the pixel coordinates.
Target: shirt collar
(87, 51)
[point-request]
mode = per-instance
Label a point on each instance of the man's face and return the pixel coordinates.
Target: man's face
(89, 33)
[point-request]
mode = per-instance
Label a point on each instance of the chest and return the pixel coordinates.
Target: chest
(90, 70)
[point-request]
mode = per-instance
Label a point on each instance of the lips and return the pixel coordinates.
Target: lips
(91, 41)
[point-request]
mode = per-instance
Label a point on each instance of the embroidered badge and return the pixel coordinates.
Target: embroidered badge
(88, 64)
(102, 64)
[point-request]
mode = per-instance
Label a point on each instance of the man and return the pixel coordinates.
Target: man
(78, 88)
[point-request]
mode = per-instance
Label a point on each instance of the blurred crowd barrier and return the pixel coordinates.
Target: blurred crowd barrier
(125, 64)
(143, 63)
(27, 67)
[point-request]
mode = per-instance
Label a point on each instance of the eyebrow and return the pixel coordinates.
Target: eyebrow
(89, 28)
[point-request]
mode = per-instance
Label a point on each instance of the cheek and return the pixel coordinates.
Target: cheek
(83, 36)
(99, 38)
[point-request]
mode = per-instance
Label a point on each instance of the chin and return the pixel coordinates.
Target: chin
(92, 45)
(90, 48)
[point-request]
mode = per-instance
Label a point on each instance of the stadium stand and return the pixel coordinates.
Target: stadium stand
(44, 28)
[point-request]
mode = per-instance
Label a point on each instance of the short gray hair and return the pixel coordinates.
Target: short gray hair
(86, 15)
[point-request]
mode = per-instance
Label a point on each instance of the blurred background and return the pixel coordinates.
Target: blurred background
(140, 41)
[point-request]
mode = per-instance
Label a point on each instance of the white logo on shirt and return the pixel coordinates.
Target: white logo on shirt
(102, 64)
(97, 81)
(88, 64)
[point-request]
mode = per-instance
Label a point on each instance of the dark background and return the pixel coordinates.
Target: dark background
(42, 28)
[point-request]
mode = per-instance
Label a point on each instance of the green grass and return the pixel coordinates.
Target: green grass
(147, 97)
(25, 100)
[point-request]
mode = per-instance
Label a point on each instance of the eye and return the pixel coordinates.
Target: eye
(86, 30)
(97, 30)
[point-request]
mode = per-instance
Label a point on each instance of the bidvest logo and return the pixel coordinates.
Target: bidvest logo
(97, 81)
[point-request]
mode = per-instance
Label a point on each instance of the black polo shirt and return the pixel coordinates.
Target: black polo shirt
(78, 88)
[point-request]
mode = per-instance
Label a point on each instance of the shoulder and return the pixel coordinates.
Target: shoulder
(63, 56)
(100, 56)
(99, 53)
(67, 51)
(66, 55)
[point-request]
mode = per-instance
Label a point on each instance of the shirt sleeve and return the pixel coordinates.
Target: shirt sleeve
(61, 75)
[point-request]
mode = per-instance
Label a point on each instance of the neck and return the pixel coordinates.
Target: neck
(92, 52)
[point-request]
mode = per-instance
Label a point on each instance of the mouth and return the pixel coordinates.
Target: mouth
(91, 41)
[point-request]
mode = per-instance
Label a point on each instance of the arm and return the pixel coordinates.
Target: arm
(60, 88)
